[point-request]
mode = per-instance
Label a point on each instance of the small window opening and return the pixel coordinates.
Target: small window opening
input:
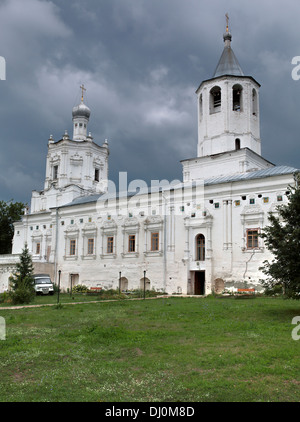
(201, 106)
(237, 144)
(254, 103)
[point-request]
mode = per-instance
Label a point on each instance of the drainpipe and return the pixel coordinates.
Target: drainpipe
(165, 246)
(165, 241)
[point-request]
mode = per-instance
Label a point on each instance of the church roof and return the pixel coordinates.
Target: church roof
(259, 174)
(228, 63)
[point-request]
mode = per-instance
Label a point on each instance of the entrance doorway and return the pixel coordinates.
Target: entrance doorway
(74, 279)
(199, 283)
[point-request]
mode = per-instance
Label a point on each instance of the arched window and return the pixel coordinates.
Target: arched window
(237, 143)
(215, 99)
(200, 248)
(237, 92)
(254, 102)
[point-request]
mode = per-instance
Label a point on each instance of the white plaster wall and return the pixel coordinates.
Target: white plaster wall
(7, 267)
(224, 229)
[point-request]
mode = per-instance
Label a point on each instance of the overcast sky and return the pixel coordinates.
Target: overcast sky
(141, 62)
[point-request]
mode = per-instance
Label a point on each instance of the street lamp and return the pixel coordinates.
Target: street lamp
(144, 284)
(59, 272)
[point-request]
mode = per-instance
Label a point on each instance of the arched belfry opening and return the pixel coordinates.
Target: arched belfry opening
(215, 100)
(237, 97)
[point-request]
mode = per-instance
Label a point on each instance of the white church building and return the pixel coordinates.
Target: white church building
(191, 237)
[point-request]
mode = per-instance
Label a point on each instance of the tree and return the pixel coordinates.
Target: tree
(282, 238)
(9, 213)
(22, 282)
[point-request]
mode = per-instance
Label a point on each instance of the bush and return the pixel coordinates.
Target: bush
(276, 290)
(5, 297)
(80, 288)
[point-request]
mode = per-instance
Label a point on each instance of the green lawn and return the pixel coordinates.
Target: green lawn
(175, 349)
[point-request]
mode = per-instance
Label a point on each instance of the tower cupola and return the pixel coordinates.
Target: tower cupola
(80, 116)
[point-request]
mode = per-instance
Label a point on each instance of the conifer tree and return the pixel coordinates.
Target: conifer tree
(282, 238)
(22, 282)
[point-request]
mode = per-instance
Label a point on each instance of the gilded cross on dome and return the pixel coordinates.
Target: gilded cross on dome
(82, 89)
(227, 21)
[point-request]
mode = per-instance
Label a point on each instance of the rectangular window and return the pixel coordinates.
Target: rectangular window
(96, 175)
(110, 244)
(252, 238)
(131, 243)
(55, 172)
(154, 241)
(72, 246)
(90, 246)
(38, 248)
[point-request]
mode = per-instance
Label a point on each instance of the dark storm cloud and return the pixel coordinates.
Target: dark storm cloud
(141, 61)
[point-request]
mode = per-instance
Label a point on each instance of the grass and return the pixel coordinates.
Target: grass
(175, 349)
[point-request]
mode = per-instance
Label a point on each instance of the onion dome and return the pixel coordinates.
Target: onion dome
(81, 110)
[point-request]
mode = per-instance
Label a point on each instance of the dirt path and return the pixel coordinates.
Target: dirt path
(91, 301)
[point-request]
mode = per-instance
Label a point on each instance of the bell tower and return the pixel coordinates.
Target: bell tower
(228, 107)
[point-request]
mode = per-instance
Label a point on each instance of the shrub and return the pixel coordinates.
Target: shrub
(276, 290)
(5, 297)
(80, 288)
